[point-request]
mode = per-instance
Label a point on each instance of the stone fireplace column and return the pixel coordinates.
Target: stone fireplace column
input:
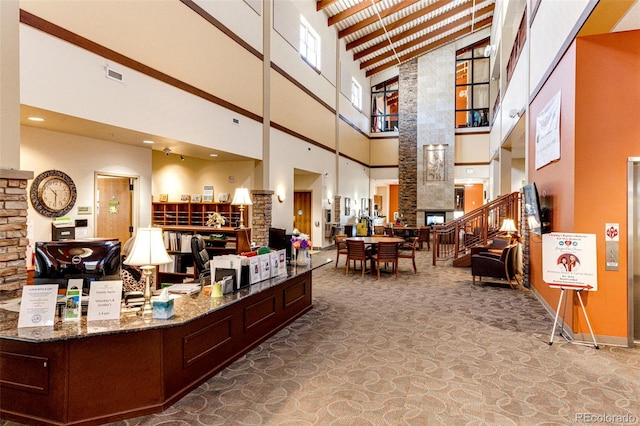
(13, 232)
(408, 141)
(261, 217)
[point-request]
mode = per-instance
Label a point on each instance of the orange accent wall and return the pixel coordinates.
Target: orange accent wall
(587, 187)
(473, 197)
(393, 201)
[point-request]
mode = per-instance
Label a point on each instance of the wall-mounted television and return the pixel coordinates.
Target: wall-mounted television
(92, 260)
(532, 209)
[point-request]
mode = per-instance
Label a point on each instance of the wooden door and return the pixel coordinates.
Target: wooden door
(302, 212)
(114, 207)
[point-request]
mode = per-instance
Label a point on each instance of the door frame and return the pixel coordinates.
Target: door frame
(135, 198)
(632, 213)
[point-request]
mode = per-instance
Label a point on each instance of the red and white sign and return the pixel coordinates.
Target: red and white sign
(612, 232)
(570, 261)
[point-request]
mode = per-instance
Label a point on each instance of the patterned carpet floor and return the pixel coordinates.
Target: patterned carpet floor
(426, 348)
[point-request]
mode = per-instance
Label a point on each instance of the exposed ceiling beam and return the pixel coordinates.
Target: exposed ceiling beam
(374, 18)
(351, 11)
(322, 4)
(431, 46)
(431, 23)
(400, 22)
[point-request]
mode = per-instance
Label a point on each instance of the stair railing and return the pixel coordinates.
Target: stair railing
(455, 238)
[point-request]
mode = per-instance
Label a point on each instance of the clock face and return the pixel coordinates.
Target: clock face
(53, 193)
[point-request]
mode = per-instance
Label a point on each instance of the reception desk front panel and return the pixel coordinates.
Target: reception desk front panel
(98, 373)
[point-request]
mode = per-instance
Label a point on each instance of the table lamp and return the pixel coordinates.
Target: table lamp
(509, 227)
(241, 198)
(148, 252)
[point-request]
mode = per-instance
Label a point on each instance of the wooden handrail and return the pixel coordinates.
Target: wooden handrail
(455, 238)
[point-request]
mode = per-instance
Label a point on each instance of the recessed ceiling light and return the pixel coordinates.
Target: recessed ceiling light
(147, 141)
(35, 118)
(213, 155)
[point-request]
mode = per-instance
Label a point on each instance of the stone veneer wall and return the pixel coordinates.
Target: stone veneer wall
(261, 217)
(13, 235)
(407, 141)
(435, 126)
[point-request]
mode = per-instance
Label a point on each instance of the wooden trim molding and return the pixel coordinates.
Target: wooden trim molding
(213, 21)
(302, 87)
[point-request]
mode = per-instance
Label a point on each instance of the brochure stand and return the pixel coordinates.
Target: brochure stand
(578, 290)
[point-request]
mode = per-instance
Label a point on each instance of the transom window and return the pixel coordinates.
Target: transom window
(384, 106)
(472, 86)
(309, 44)
(356, 94)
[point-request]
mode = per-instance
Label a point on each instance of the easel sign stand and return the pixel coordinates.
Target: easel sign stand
(569, 263)
(578, 290)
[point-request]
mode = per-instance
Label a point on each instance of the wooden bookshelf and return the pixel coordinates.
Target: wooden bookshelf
(218, 241)
(194, 214)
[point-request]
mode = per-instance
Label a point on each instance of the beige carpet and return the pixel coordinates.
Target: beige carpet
(427, 348)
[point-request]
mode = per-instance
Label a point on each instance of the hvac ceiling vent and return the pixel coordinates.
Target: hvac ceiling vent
(114, 75)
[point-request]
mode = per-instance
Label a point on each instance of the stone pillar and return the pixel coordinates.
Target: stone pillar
(13, 232)
(336, 209)
(261, 217)
(408, 141)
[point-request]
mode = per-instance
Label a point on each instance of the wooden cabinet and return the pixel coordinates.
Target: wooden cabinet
(194, 214)
(218, 241)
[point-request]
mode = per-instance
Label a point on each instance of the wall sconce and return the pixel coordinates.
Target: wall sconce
(329, 201)
(280, 195)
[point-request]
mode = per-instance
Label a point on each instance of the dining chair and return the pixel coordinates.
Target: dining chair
(341, 246)
(424, 235)
(378, 230)
(356, 250)
(387, 252)
(407, 250)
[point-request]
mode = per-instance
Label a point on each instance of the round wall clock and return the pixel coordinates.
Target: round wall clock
(53, 193)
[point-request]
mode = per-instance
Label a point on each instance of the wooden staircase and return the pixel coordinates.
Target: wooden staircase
(453, 240)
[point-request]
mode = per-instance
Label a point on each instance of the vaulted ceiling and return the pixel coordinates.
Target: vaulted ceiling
(384, 33)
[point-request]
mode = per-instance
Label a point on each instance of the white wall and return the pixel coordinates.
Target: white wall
(77, 86)
(284, 47)
(81, 158)
(551, 27)
(354, 184)
(243, 18)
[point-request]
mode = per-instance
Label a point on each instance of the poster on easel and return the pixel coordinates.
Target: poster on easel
(570, 261)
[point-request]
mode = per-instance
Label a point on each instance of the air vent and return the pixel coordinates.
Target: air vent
(114, 75)
(236, 121)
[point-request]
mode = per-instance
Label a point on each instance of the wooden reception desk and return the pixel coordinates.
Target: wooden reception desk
(103, 371)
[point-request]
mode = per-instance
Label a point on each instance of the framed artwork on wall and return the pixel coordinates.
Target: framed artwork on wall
(347, 206)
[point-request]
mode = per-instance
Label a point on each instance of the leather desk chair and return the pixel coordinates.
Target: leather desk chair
(200, 256)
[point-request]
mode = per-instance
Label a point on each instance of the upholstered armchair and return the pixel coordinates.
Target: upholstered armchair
(502, 267)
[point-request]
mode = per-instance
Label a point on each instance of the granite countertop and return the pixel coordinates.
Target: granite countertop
(186, 308)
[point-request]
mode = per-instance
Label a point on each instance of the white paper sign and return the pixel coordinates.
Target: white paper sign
(104, 300)
(570, 260)
(254, 269)
(282, 264)
(38, 305)
(548, 132)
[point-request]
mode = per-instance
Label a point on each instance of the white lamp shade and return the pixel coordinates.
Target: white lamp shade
(508, 226)
(148, 248)
(242, 197)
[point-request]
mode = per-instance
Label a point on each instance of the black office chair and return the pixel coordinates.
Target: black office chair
(200, 256)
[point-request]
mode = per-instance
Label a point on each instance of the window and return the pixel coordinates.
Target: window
(472, 86)
(309, 44)
(356, 94)
(384, 106)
